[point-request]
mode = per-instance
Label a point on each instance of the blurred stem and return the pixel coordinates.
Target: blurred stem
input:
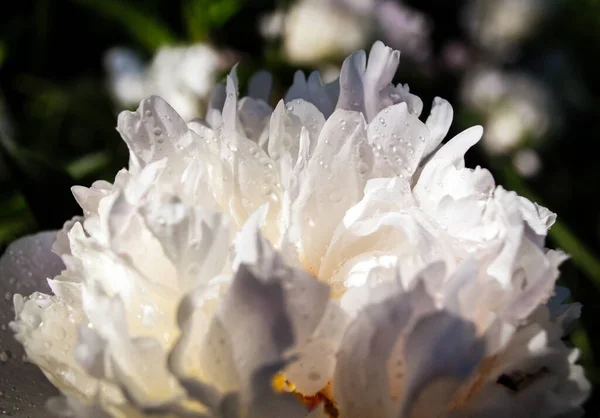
(148, 30)
(562, 236)
(192, 17)
(42, 22)
(88, 164)
(16, 218)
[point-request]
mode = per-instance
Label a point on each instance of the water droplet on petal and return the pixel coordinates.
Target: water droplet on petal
(362, 167)
(314, 375)
(193, 270)
(59, 333)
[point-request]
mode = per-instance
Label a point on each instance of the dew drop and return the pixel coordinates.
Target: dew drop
(232, 147)
(362, 167)
(193, 270)
(59, 333)
(148, 113)
(314, 375)
(157, 131)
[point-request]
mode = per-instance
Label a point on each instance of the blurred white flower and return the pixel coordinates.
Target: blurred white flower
(327, 255)
(184, 76)
(516, 107)
(527, 162)
(499, 26)
(315, 31)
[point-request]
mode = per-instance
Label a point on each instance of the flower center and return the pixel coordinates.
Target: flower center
(323, 397)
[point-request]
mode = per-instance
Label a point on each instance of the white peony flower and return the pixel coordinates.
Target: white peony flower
(184, 76)
(328, 257)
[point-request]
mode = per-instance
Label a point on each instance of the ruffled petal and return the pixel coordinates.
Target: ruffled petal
(323, 96)
(259, 86)
(362, 83)
(441, 351)
(398, 141)
(153, 131)
(342, 158)
(438, 122)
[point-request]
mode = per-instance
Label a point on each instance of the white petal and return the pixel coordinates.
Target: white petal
(438, 122)
(441, 346)
(259, 86)
(137, 365)
(317, 356)
(324, 97)
(397, 138)
(362, 82)
(254, 117)
(455, 149)
(402, 94)
(342, 159)
(286, 124)
(25, 267)
(154, 130)
(361, 382)
(195, 241)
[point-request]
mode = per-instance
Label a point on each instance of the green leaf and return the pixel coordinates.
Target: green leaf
(200, 16)
(88, 164)
(149, 31)
(15, 219)
(45, 186)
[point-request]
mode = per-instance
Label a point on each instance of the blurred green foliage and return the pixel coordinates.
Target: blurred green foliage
(62, 118)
